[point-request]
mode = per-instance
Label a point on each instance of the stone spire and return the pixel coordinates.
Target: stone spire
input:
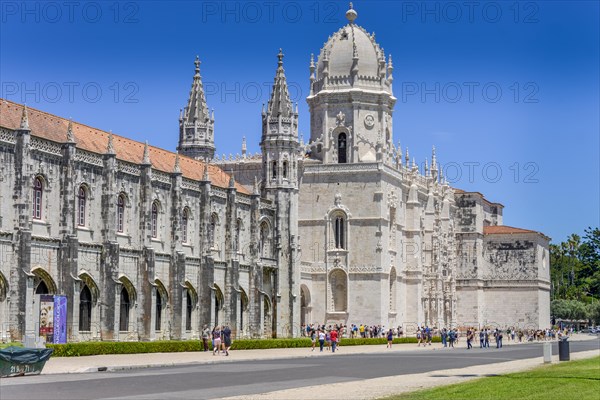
(244, 147)
(196, 123)
(146, 158)
(279, 103)
(70, 135)
(434, 168)
(24, 119)
(312, 72)
(110, 147)
(407, 158)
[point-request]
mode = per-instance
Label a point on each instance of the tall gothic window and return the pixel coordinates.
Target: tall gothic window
(339, 228)
(159, 306)
(37, 198)
(81, 203)
(285, 169)
(274, 172)
(212, 230)
(236, 241)
(154, 220)
(120, 213)
(184, 225)
(124, 310)
(393, 278)
(264, 244)
(341, 147)
(188, 310)
(85, 309)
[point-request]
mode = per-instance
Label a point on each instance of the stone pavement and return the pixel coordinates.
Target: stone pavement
(114, 362)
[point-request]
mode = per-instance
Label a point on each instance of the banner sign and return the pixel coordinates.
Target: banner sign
(47, 317)
(60, 319)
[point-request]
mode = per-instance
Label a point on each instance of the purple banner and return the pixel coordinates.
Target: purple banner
(60, 319)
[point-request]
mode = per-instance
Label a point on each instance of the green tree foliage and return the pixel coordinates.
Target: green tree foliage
(575, 276)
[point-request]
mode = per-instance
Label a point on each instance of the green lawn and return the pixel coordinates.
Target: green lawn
(568, 380)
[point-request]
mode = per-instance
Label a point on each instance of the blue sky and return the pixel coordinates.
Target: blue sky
(508, 91)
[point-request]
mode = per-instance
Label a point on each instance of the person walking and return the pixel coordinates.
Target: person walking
(444, 336)
(227, 339)
(390, 339)
(486, 338)
(313, 339)
(321, 335)
(469, 338)
(418, 337)
(205, 337)
(216, 339)
(334, 337)
(499, 340)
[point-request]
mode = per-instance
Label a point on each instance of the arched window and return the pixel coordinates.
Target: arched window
(120, 213)
(154, 220)
(236, 241)
(393, 289)
(42, 288)
(37, 198)
(218, 303)
(85, 309)
(188, 310)
(285, 170)
(184, 225)
(265, 238)
(212, 230)
(159, 306)
(274, 171)
(81, 200)
(339, 226)
(124, 310)
(341, 147)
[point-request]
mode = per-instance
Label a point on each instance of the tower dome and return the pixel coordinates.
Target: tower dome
(351, 58)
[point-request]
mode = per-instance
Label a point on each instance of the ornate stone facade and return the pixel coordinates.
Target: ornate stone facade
(148, 244)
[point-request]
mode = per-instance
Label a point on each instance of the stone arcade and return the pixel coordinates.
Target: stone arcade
(147, 244)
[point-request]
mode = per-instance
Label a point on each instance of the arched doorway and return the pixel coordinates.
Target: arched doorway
(243, 312)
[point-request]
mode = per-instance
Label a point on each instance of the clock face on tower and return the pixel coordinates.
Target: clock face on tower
(369, 121)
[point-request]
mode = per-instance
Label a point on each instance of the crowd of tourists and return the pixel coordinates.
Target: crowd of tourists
(329, 336)
(219, 337)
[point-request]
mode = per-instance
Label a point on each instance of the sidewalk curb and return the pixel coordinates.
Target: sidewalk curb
(375, 350)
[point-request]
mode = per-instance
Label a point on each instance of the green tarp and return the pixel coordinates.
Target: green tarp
(16, 361)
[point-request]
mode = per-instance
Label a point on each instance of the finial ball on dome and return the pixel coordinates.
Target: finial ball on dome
(351, 14)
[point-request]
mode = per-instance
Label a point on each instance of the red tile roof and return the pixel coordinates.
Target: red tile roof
(504, 230)
(54, 128)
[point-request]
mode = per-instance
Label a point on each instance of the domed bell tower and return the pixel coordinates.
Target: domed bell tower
(351, 99)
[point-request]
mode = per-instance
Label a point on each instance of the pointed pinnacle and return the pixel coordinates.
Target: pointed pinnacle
(146, 158)
(24, 118)
(177, 167)
(231, 179)
(70, 135)
(280, 57)
(205, 176)
(110, 147)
